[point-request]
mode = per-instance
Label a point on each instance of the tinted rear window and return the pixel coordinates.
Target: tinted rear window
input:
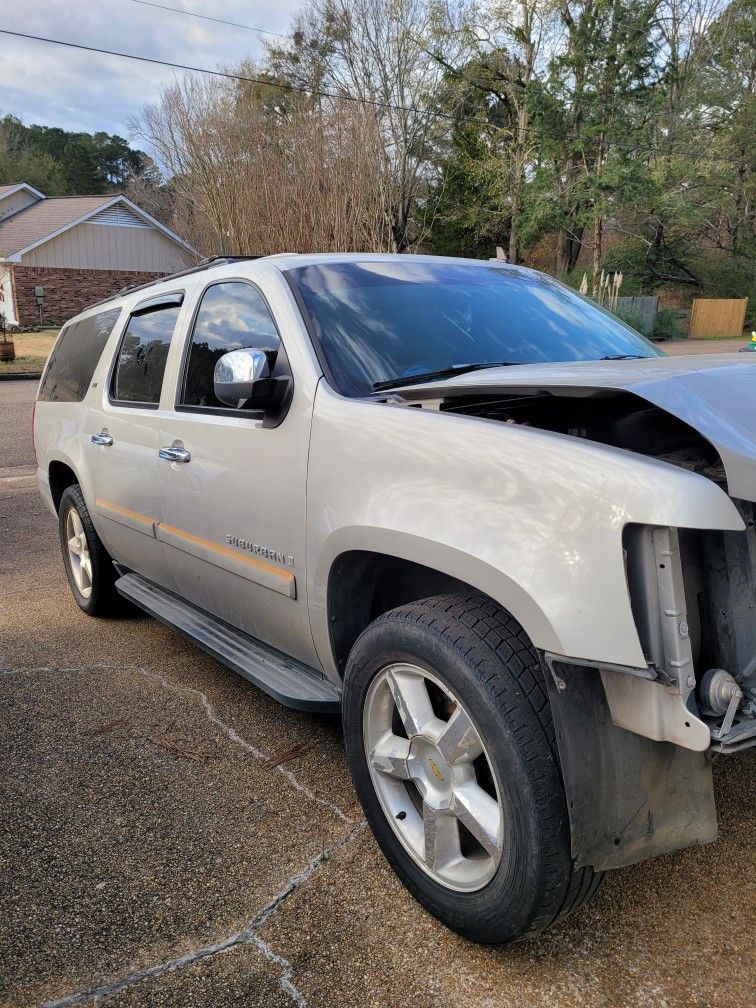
(138, 376)
(75, 356)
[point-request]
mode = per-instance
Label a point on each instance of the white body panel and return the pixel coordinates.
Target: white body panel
(533, 519)
(245, 481)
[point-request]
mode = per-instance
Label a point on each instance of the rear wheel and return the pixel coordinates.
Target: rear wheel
(452, 751)
(88, 566)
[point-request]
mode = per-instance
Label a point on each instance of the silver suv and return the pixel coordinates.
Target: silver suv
(503, 535)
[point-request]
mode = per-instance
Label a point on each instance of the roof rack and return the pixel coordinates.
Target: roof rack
(215, 260)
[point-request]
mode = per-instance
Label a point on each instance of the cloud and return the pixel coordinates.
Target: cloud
(76, 90)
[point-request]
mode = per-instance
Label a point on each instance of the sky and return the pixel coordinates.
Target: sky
(57, 86)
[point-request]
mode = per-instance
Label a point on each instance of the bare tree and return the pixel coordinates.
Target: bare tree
(261, 171)
(375, 51)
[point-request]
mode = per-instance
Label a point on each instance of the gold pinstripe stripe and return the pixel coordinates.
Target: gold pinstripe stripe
(125, 511)
(223, 550)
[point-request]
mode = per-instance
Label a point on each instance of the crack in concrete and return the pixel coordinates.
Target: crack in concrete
(212, 716)
(237, 739)
(248, 935)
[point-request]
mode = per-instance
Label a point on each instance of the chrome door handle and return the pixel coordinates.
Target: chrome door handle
(102, 439)
(172, 454)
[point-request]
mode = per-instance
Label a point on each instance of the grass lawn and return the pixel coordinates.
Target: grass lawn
(32, 350)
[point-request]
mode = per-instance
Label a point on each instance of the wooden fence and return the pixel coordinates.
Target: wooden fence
(717, 318)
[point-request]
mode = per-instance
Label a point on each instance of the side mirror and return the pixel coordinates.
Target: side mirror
(243, 378)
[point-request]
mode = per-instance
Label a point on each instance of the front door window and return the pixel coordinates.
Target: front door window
(231, 316)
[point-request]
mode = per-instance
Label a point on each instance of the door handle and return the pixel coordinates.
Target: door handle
(171, 453)
(102, 439)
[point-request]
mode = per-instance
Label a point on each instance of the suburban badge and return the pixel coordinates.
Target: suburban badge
(265, 552)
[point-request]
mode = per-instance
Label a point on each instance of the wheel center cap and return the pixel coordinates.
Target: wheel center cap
(430, 771)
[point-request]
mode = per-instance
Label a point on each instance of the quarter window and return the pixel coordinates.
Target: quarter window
(75, 356)
(139, 370)
(231, 316)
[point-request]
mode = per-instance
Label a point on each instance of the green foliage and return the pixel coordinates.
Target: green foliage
(634, 320)
(731, 277)
(637, 114)
(639, 264)
(463, 216)
(467, 210)
(667, 326)
(59, 163)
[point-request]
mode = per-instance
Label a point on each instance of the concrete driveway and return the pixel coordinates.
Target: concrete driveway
(170, 836)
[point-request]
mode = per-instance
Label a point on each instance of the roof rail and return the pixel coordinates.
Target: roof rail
(216, 260)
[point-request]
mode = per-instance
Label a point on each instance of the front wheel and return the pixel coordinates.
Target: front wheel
(452, 751)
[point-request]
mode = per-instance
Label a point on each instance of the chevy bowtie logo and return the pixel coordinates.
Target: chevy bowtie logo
(434, 770)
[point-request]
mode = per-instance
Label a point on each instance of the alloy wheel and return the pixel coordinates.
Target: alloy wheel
(78, 553)
(433, 777)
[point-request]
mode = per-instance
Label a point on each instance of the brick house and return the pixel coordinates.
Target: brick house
(71, 251)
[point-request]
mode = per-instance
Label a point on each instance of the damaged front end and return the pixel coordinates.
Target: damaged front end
(636, 743)
(694, 600)
(693, 593)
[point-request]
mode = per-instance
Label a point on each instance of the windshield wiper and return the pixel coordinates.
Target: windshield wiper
(427, 376)
(624, 356)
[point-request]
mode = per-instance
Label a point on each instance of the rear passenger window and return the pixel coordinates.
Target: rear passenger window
(231, 315)
(75, 356)
(138, 374)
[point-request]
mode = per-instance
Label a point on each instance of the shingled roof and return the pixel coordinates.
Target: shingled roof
(45, 218)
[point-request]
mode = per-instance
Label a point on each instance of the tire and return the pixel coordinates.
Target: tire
(101, 599)
(491, 887)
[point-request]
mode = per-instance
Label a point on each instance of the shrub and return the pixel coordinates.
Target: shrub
(634, 320)
(667, 326)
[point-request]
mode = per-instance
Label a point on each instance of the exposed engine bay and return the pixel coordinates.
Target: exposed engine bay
(694, 600)
(621, 419)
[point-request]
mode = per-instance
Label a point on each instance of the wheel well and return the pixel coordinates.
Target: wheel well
(363, 585)
(61, 477)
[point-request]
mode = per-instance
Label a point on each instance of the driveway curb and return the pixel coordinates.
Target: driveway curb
(21, 376)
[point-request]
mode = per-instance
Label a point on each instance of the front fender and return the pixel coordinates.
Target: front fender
(533, 519)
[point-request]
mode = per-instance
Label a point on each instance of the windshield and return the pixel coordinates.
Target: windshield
(382, 320)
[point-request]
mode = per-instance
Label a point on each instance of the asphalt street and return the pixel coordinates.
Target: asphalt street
(169, 836)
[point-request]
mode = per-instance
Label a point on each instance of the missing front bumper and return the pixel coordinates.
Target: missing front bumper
(629, 798)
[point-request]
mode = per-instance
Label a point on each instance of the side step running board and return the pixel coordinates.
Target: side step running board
(287, 680)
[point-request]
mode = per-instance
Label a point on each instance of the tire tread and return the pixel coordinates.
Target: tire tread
(466, 622)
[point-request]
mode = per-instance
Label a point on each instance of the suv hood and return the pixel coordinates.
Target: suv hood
(715, 394)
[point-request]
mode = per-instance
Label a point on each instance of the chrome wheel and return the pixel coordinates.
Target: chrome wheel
(78, 553)
(433, 777)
